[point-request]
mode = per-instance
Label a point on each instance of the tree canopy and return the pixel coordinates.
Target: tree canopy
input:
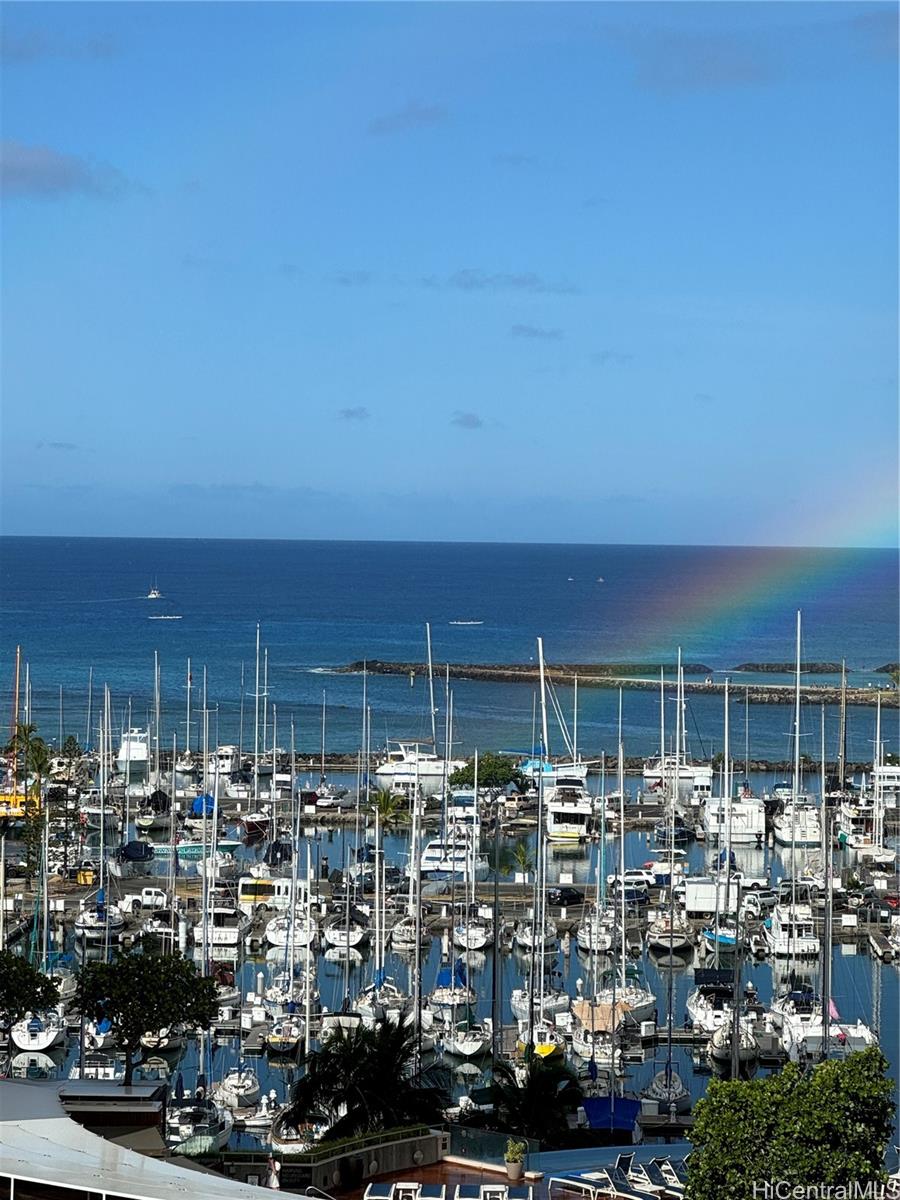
(141, 993)
(538, 1107)
(828, 1125)
(23, 988)
(494, 771)
(361, 1081)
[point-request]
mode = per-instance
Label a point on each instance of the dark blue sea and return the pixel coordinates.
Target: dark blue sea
(80, 604)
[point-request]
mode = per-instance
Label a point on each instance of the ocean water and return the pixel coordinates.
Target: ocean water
(77, 604)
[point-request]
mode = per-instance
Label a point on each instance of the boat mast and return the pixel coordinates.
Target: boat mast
(842, 735)
(90, 701)
(322, 771)
(431, 707)
(156, 714)
(538, 926)
(662, 730)
(256, 728)
(795, 784)
(575, 725)
(621, 787)
(877, 793)
(187, 715)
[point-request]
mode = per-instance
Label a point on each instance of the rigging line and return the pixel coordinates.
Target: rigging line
(690, 709)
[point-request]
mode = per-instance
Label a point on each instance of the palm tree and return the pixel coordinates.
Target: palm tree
(18, 746)
(390, 809)
(519, 859)
(538, 1107)
(361, 1081)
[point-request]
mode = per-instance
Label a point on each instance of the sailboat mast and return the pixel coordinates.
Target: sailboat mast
(322, 771)
(877, 797)
(795, 783)
(431, 707)
(538, 926)
(662, 730)
(256, 727)
(575, 725)
(88, 740)
(187, 712)
(621, 787)
(842, 734)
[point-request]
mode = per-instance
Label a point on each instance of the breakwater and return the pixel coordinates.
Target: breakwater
(600, 676)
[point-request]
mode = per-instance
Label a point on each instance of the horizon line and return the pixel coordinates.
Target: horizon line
(432, 542)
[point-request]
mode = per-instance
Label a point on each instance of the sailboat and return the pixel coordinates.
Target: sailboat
(667, 1088)
(625, 987)
(539, 1000)
(790, 931)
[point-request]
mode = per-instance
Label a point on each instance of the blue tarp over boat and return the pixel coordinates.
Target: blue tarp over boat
(601, 1114)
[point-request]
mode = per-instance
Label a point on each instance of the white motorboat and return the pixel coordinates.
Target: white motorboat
(134, 751)
(746, 813)
(412, 764)
(799, 823)
(694, 779)
(452, 857)
(790, 932)
(223, 762)
(568, 809)
(227, 926)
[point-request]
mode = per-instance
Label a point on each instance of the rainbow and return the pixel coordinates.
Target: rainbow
(700, 611)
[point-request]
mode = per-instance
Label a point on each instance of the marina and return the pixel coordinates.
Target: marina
(645, 928)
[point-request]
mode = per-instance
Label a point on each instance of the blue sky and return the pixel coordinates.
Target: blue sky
(589, 272)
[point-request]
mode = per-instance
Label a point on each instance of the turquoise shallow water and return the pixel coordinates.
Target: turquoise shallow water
(76, 604)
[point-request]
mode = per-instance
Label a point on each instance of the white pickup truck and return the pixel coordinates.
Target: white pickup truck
(150, 898)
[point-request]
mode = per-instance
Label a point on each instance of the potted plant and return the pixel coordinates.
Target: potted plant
(514, 1158)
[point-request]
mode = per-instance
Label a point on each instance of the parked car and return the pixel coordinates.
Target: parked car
(564, 896)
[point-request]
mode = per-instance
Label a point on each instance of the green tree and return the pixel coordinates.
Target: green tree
(18, 747)
(362, 1080)
(539, 1106)
(519, 860)
(392, 810)
(494, 771)
(32, 759)
(37, 763)
(23, 988)
(830, 1125)
(71, 752)
(140, 993)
